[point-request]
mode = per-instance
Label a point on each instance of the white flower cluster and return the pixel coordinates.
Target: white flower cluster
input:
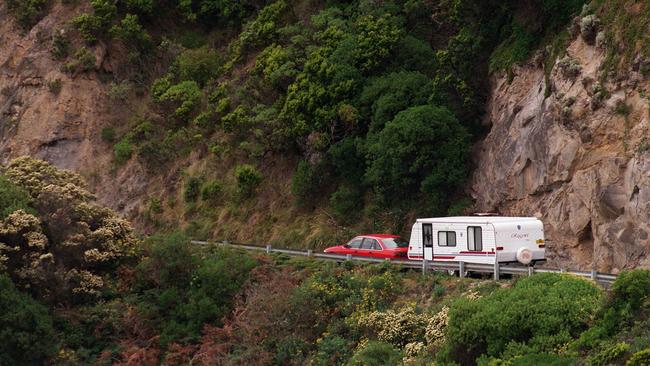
(435, 330)
(397, 327)
(411, 351)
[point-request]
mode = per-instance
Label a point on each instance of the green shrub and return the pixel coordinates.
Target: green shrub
(263, 28)
(155, 153)
(422, 149)
(12, 198)
(641, 358)
(376, 354)
(27, 12)
(415, 55)
(93, 26)
(608, 355)
(213, 11)
(84, 61)
(632, 288)
(385, 96)
(143, 7)
(277, 65)
(514, 49)
(120, 91)
(346, 204)
(248, 178)
(26, 333)
(630, 292)
(332, 350)
(60, 45)
(237, 120)
(123, 151)
(54, 86)
(160, 87)
(306, 183)
(108, 134)
(211, 191)
(530, 359)
(199, 65)
(186, 95)
(348, 160)
(535, 311)
(129, 31)
(89, 26)
(376, 38)
(192, 189)
(180, 293)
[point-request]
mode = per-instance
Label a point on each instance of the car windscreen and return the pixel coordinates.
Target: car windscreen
(395, 243)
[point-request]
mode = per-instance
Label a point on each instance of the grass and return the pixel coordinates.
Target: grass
(625, 34)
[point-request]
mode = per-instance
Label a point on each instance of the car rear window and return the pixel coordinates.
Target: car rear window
(395, 243)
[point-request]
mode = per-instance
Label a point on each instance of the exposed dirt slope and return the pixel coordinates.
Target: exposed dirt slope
(61, 127)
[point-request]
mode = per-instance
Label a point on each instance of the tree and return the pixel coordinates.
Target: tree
(26, 332)
(422, 149)
(63, 251)
(385, 96)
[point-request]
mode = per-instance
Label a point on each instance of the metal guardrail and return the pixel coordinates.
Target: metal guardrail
(458, 267)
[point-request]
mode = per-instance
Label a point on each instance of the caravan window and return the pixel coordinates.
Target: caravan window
(446, 238)
(427, 235)
(474, 238)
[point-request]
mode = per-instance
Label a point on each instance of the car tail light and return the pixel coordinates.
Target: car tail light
(499, 248)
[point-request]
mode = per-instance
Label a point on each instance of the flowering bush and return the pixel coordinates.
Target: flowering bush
(397, 327)
(434, 333)
(69, 243)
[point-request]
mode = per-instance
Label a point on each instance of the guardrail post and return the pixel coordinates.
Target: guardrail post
(531, 271)
(461, 269)
(225, 242)
(496, 270)
(594, 274)
(268, 249)
(348, 257)
(424, 266)
(310, 252)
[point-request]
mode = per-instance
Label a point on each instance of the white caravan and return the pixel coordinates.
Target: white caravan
(478, 239)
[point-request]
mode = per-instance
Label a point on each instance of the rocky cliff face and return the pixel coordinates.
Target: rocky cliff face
(577, 157)
(58, 116)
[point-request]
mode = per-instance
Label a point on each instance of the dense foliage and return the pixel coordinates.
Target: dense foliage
(175, 303)
(540, 316)
(178, 292)
(26, 332)
(374, 103)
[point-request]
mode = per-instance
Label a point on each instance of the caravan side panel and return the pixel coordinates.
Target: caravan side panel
(520, 234)
(415, 251)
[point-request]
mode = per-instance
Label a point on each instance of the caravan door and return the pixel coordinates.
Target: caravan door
(427, 241)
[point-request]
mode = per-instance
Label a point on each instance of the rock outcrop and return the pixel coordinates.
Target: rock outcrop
(58, 116)
(573, 152)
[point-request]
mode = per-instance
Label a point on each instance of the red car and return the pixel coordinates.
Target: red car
(373, 245)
